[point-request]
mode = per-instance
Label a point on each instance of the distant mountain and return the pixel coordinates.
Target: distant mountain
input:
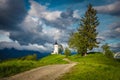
(13, 53)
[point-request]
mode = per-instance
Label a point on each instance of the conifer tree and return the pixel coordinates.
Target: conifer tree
(86, 34)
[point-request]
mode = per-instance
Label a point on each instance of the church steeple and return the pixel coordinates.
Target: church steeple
(57, 48)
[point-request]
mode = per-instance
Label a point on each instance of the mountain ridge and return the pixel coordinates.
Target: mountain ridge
(14, 53)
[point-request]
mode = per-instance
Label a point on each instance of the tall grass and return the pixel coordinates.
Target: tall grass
(15, 66)
(12, 67)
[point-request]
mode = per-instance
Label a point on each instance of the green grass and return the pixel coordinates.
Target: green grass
(53, 59)
(90, 67)
(12, 67)
(93, 67)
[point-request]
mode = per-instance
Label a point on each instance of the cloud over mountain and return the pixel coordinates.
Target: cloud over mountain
(34, 47)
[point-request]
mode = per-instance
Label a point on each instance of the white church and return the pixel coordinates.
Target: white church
(58, 48)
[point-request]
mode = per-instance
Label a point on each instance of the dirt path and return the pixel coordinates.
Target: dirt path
(50, 72)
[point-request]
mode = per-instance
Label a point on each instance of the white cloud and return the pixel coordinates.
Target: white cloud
(36, 47)
(115, 46)
(33, 23)
(35, 19)
(100, 38)
(76, 14)
(53, 32)
(4, 33)
(117, 30)
(112, 9)
(51, 16)
(41, 28)
(41, 11)
(3, 4)
(36, 9)
(4, 36)
(29, 24)
(16, 45)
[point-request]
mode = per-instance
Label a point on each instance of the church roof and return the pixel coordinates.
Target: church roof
(56, 42)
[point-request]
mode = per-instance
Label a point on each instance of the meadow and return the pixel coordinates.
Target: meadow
(14, 66)
(93, 67)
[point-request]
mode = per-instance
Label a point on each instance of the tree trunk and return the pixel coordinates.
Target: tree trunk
(84, 54)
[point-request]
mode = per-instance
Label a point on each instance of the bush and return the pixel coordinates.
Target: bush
(106, 49)
(29, 57)
(109, 54)
(67, 52)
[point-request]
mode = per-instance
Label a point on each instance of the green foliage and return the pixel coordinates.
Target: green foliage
(29, 57)
(60, 49)
(106, 49)
(93, 67)
(85, 38)
(75, 42)
(67, 52)
(12, 67)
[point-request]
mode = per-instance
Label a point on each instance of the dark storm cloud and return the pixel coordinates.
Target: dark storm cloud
(34, 34)
(12, 12)
(113, 32)
(31, 32)
(40, 26)
(115, 47)
(67, 14)
(112, 9)
(65, 20)
(26, 37)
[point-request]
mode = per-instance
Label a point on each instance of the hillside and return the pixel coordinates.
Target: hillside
(93, 67)
(12, 67)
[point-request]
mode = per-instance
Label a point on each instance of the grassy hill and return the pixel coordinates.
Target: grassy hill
(12, 67)
(93, 67)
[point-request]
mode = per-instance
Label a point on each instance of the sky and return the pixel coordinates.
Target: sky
(37, 24)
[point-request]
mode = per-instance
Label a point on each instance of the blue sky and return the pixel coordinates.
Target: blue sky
(37, 24)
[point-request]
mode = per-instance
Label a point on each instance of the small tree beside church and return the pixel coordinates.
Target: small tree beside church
(67, 52)
(85, 37)
(60, 48)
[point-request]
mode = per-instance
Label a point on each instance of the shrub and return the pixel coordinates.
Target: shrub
(67, 52)
(106, 49)
(30, 57)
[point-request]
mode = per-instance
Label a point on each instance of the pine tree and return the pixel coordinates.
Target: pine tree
(86, 34)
